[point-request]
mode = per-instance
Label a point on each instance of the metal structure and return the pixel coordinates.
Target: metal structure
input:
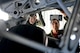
(20, 7)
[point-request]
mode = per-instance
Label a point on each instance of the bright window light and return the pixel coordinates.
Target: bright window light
(4, 16)
(37, 1)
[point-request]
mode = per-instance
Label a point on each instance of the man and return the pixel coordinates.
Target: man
(32, 19)
(55, 32)
(53, 38)
(27, 31)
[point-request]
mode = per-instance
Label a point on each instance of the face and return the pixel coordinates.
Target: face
(55, 24)
(32, 19)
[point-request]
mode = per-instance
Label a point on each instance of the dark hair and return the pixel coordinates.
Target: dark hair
(55, 19)
(32, 15)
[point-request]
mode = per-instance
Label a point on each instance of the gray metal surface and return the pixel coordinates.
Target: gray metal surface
(21, 7)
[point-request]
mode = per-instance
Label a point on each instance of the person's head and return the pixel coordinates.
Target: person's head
(55, 24)
(32, 18)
